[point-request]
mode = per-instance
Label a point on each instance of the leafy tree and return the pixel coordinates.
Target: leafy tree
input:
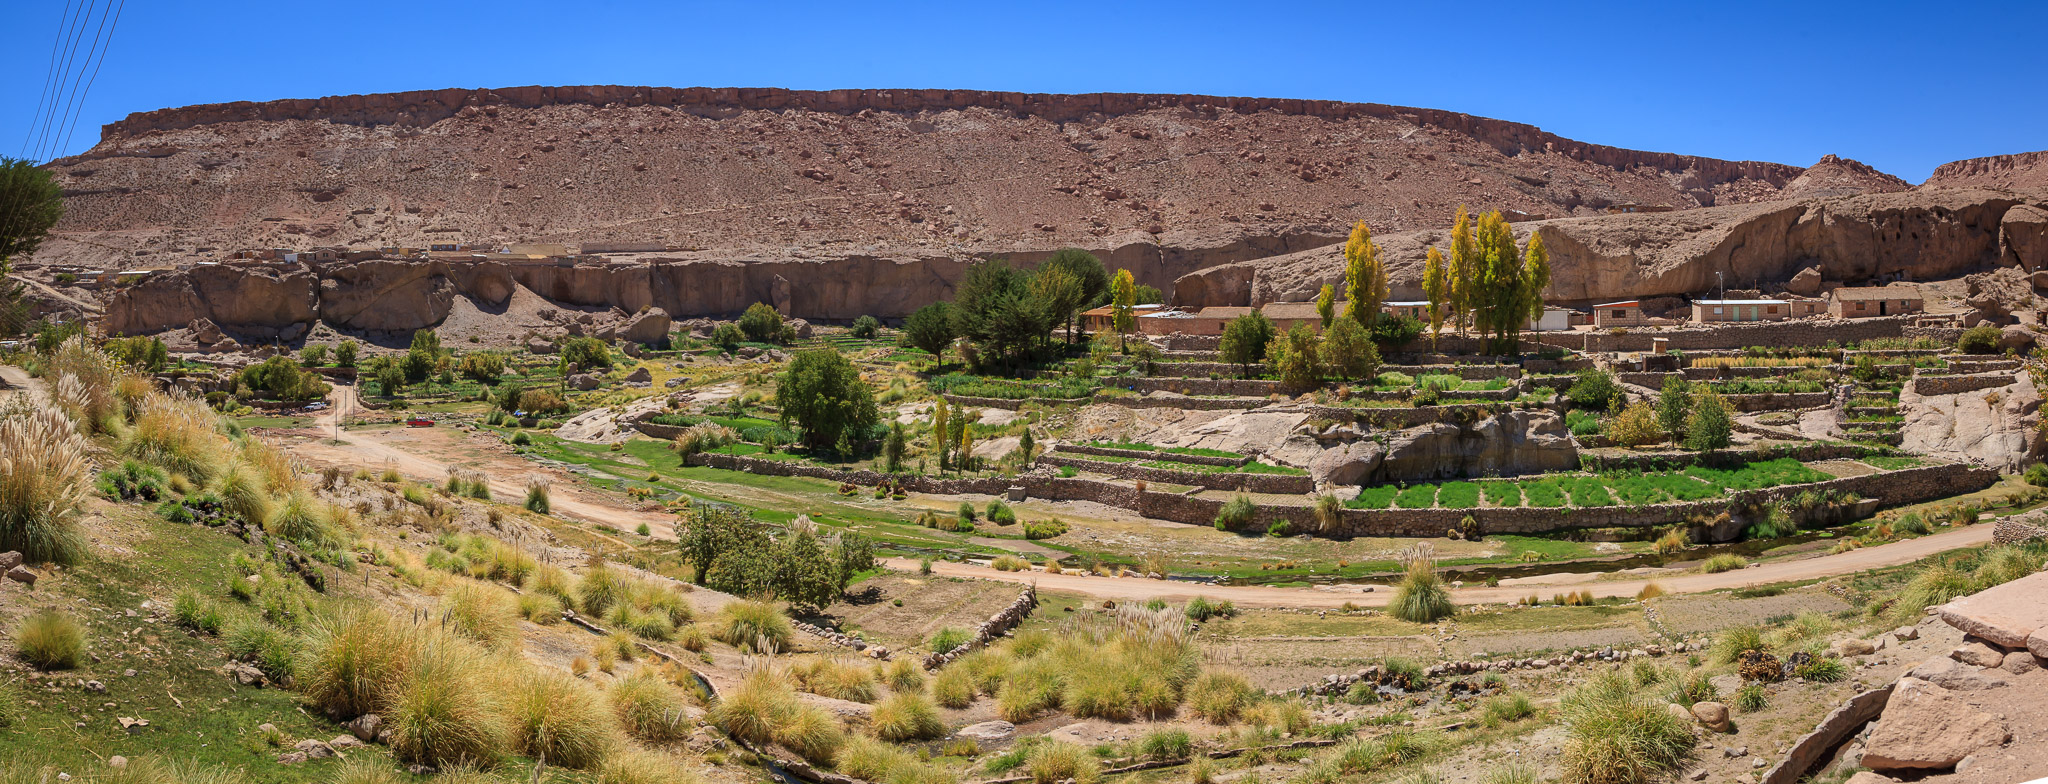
(1349, 351)
(806, 575)
(1594, 390)
(761, 323)
(712, 536)
(1088, 274)
(1674, 406)
(1244, 340)
(1365, 277)
(993, 307)
(1436, 287)
(1396, 331)
(581, 354)
(1057, 295)
(313, 355)
(941, 436)
(1635, 426)
(1148, 295)
(1297, 358)
(727, 335)
(1027, 444)
(281, 378)
(423, 357)
(1464, 270)
(30, 203)
(1123, 291)
(825, 397)
(508, 398)
(865, 328)
(484, 366)
(1326, 304)
(390, 376)
(345, 354)
(1511, 283)
(1711, 425)
(930, 330)
(1979, 340)
(146, 354)
(893, 447)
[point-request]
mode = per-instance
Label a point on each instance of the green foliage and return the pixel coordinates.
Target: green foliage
(2037, 475)
(1236, 514)
(761, 323)
(752, 626)
(1421, 597)
(906, 717)
(1615, 735)
(1751, 698)
(1674, 405)
(32, 202)
(1201, 609)
(1297, 358)
(947, 639)
(345, 353)
(727, 336)
(483, 366)
(865, 328)
(281, 378)
(1167, 744)
(1348, 351)
(823, 394)
(1594, 390)
(1711, 425)
(1044, 529)
(582, 354)
(1979, 340)
(930, 329)
(734, 554)
(994, 307)
(48, 640)
(1396, 331)
(1244, 340)
(148, 354)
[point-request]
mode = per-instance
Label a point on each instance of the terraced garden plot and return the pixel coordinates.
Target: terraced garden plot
(1137, 446)
(1416, 497)
(1458, 495)
(1548, 492)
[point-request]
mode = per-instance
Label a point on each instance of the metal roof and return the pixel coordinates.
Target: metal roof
(1738, 302)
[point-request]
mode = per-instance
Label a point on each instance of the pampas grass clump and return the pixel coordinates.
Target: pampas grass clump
(1421, 597)
(1615, 735)
(440, 710)
(481, 612)
(50, 640)
(752, 626)
(348, 659)
(835, 678)
(649, 708)
(906, 716)
(764, 708)
(560, 719)
(44, 478)
(640, 766)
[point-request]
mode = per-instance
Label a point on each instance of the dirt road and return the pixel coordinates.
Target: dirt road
(1140, 588)
(413, 455)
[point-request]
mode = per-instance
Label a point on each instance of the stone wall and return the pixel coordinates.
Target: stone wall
(1776, 334)
(1956, 385)
(1085, 449)
(1185, 403)
(2019, 529)
(1809, 451)
(996, 626)
(1249, 387)
(1279, 484)
(1402, 418)
(1013, 404)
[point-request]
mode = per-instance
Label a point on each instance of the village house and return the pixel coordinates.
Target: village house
(1620, 314)
(1875, 301)
(1207, 321)
(1713, 311)
(1553, 319)
(1103, 319)
(1415, 309)
(1287, 314)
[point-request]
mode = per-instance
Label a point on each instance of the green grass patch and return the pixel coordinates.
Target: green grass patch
(1458, 495)
(1416, 497)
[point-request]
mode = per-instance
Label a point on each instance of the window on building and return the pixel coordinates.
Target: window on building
(1859, 306)
(1620, 314)
(1772, 309)
(1717, 311)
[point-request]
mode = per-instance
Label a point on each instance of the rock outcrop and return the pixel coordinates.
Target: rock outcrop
(1514, 442)
(1837, 176)
(1995, 427)
(1925, 727)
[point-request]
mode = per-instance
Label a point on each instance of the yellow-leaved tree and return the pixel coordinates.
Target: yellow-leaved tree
(1326, 304)
(1123, 294)
(1436, 287)
(1463, 273)
(1365, 277)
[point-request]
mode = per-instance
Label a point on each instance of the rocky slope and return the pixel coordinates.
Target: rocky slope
(2022, 170)
(1922, 234)
(1837, 176)
(777, 174)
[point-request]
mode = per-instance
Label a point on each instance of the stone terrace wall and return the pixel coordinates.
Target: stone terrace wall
(1799, 332)
(1279, 484)
(1085, 449)
(1002, 621)
(1185, 403)
(1956, 385)
(1806, 452)
(1010, 404)
(1253, 387)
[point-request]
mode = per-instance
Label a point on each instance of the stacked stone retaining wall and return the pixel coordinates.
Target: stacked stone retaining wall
(1279, 484)
(996, 626)
(1805, 452)
(1956, 385)
(1086, 449)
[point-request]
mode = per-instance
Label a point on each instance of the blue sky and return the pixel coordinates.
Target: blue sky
(1901, 87)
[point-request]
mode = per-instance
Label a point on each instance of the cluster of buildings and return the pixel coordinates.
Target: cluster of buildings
(1846, 303)
(1843, 303)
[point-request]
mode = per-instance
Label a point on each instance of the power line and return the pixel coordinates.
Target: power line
(103, 49)
(63, 72)
(49, 76)
(77, 77)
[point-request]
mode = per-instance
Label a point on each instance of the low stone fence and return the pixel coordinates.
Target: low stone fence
(1462, 371)
(1962, 366)
(1956, 385)
(1208, 386)
(1775, 334)
(1220, 370)
(2021, 528)
(914, 482)
(1009, 404)
(835, 638)
(1726, 459)
(1187, 403)
(1338, 684)
(1182, 342)
(1282, 484)
(652, 430)
(996, 625)
(1399, 418)
(1085, 449)
(1779, 401)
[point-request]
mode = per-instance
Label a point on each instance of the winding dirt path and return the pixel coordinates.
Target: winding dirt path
(409, 452)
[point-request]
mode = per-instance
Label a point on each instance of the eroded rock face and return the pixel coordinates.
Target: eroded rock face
(1515, 442)
(260, 300)
(1994, 427)
(650, 326)
(1925, 727)
(386, 296)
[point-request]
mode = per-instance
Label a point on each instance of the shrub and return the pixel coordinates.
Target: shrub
(1733, 642)
(1615, 736)
(1044, 529)
(1010, 563)
(954, 687)
(752, 626)
(948, 639)
(302, 519)
(50, 640)
(1201, 609)
(1167, 744)
(1000, 513)
(1594, 390)
(191, 611)
(348, 658)
(439, 709)
(649, 708)
(865, 328)
(1421, 597)
(1979, 340)
(906, 716)
(556, 717)
(1936, 584)
(1219, 696)
(1236, 513)
(537, 500)
(44, 478)
(1057, 761)
(1821, 669)
(1722, 563)
(1751, 698)
(1508, 708)
(1636, 425)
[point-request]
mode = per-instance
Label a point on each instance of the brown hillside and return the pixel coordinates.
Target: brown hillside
(1837, 176)
(743, 174)
(2020, 170)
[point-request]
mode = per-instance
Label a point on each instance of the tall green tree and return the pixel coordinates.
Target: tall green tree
(30, 204)
(930, 329)
(1674, 404)
(761, 323)
(1436, 287)
(1711, 426)
(1326, 304)
(1464, 269)
(1088, 274)
(1365, 277)
(1297, 357)
(1511, 283)
(1348, 351)
(993, 307)
(1058, 296)
(824, 396)
(1123, 292)
(1244, 340)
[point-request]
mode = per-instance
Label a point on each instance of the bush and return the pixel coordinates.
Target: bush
(1594, 390)
(1219, 696)
(537, 500)
(761, 323)
(44, 478)
(906, 716)
(2037, 475)
(556, 717)
(763, 708)
(1979, 340)
(1421, 597)
(1751, 698)
(1615, 736)
(1735, 641)
(1000, 513)
(585, 353)
(481, 612)
(1722, 563)
(954, 687)
(1167, 744)
(865, 328)
(835, 678)
(439, 709)
(1637, 425)
(751, 626)
(1201, 609)
(1236, 513)
(1045, 529)
(947, 639)
(50, 640)
(1010, 563)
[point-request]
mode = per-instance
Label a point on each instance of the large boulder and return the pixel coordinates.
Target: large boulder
(2023, 236)
(1515, 442)
(1995, 427)
(648, 326)
(386, 295)
(1995, 295)
(2016, 337)
(1806, 283)
(584, 382)
(1956, 676)
(1926, 727)
(2005, 615)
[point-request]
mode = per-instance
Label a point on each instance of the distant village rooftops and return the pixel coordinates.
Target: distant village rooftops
(1877, 293)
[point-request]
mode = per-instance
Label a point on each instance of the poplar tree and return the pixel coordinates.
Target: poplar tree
(1510, 286)
(1365, 277)
(1463, 273)
(940, 431)
(1326, 304)
(1123, 293)
(1436, 286)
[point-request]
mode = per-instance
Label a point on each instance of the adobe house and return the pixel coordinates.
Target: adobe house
(1415, 309)
(1209, 321)
(1713, 311)
(1103, 319)
(1873, 301)
(1287, 314)
(1620, 314)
